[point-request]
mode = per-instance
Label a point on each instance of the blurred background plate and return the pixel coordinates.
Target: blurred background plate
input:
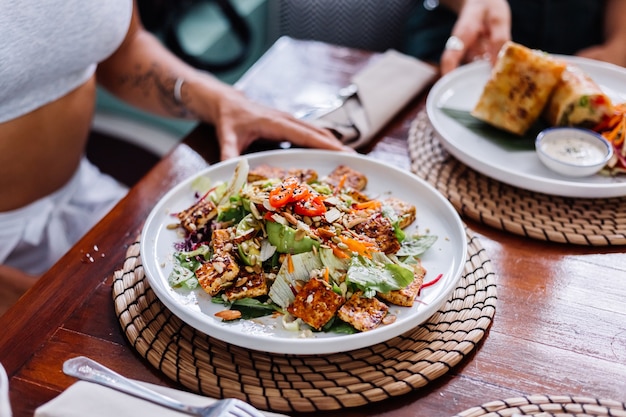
(460, 90)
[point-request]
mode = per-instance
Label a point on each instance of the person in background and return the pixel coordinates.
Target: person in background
(52, 54)
(455, 32)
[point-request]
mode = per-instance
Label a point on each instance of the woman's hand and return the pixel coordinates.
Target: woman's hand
(239, 122)
(147, 75)
(482, 27)
(613, 49)
(613, 52)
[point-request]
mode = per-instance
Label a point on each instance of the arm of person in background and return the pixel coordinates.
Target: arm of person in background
(147, 75)
(482, 27)
(613, 49)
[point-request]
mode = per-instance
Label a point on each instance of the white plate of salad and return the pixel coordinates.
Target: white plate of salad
(276, 231)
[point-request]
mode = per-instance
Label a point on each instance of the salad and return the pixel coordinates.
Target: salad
(613, 129)
(319, 253)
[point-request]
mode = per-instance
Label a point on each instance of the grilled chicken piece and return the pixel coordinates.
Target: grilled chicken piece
(358, 196)
(218, 273)
(222, 240)
(353, 179)
(316, 303)
(198, 215)
(407, 295)
(381, 230)
(247, 285)
(222, 268)
(406, 212)
(363, 313)
(265, 172)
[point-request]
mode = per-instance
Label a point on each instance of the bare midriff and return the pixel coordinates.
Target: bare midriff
(40, 151)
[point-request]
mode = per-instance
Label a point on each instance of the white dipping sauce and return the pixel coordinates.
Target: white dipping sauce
(573, 150)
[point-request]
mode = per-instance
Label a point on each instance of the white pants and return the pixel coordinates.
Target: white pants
(34, 237)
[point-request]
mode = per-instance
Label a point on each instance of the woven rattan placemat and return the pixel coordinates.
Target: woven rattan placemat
(548, 406)
(286, 383)
(599, 222)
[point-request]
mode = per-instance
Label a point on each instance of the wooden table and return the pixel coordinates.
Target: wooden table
(559, 327)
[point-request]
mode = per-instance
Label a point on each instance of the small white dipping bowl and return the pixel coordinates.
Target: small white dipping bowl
(572, 151)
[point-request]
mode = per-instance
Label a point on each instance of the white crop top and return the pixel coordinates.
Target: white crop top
(50, 47)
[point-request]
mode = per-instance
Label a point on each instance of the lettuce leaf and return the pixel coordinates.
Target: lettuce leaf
(416, 245)
(372, 277)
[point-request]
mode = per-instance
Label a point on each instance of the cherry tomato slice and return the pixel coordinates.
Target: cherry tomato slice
(282, 193)
(311, 206)
(301, 192)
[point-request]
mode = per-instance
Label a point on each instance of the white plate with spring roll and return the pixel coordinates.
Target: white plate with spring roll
(508, 159)
(445, 259)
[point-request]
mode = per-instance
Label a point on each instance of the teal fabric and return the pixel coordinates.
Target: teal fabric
(554, 26)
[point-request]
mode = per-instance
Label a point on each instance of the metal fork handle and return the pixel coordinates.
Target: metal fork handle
(89, 370)
(343, 95)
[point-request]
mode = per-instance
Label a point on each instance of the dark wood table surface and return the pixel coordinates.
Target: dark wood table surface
(559, 327)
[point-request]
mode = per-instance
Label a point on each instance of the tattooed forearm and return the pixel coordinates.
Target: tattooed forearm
(156, 83)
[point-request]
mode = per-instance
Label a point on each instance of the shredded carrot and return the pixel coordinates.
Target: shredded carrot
(608, 122)
(290, 264)
(371, 204)
(612, 135)
(326, 274)
(338, 252)
(342, 183)
(613, 129)
(619, 140)
(361, 247)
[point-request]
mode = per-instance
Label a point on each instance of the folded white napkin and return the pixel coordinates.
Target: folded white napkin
(88, 399)
(383, 88)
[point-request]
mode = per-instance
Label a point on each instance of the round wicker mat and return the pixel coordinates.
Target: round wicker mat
(548, 406)
(598, 222)
(286, 383)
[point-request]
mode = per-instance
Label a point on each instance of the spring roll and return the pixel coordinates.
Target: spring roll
(520, 85)
(577, 101)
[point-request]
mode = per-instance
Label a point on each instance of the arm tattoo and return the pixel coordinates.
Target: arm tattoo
(168, 89)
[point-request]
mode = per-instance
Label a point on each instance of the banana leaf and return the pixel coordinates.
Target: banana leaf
(501, 138)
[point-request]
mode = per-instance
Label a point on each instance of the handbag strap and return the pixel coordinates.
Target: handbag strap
(238, 24)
